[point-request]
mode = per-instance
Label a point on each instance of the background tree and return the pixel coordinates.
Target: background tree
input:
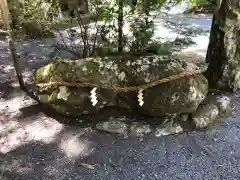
(223, 53)
(126, 26)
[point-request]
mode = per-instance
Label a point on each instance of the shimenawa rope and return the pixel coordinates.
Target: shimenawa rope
(139, 88)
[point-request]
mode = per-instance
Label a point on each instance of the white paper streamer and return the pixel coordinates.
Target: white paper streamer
(140, 97)
(93, 96)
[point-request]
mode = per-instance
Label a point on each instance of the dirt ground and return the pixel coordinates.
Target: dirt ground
(34, 145)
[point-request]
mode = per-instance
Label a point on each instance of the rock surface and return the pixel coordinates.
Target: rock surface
(168, 128)
(75, 102)
(178, 96)
(213, 107)
(181, 96)
(206, 115)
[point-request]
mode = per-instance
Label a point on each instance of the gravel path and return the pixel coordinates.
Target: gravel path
(36, 146)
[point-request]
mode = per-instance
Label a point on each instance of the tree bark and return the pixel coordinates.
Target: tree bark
(223, 53)
(120, 25)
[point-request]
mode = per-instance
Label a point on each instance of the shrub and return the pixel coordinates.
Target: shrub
(33, 18)
(201, 6)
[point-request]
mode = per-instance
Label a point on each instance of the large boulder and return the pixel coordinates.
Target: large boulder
(109, 73)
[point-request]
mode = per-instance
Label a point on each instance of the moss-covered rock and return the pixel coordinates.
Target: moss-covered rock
(75, 101)
(211, 109)
(108, 73)
(205, 116)
(180, 96)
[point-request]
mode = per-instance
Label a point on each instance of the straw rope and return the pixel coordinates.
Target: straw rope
(118, 89)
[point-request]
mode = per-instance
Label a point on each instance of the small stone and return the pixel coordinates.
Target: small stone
(168, 129)
(114, 126)
(205, 115)
(128, 63)
(223, 103)
(138, 129)
(183, 117)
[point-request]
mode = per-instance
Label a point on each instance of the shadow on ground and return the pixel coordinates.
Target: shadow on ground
(36, 145)
(44, 149)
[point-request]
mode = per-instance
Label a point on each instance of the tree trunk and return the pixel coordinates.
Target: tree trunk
(223, 53)
(120, 25)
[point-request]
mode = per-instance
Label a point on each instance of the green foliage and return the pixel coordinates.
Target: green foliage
(33, 18)
(202, 2)
(155, 47)
(132, 32)
(207, 6)
(142, 27)
(36, 18)
(137, 18)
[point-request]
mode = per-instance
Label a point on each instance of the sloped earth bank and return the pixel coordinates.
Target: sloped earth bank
(35, 145)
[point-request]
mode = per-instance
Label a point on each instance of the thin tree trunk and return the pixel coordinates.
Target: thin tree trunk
(86, 10)
(11, 40)
(120, 26)
(7, 22)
